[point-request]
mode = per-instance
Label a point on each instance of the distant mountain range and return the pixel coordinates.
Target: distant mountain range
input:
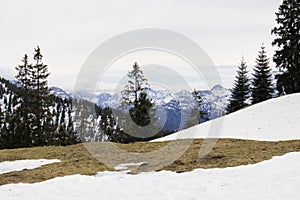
(177, 106)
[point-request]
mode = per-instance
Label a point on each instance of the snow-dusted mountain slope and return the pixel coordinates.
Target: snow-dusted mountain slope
(214, 100)
(175, 105)
(276, 179)
(272, 120)
(78, 116)
(56, 91)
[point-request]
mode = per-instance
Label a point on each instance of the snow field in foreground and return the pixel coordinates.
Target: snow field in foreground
(278, 178)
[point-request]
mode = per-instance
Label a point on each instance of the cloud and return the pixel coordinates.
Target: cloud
(68, 31)
(6, 73)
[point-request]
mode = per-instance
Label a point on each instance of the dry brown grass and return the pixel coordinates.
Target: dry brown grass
(232, 152)
(76, 159)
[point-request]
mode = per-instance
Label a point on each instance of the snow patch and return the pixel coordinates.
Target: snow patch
(126, 165)
(19, 165)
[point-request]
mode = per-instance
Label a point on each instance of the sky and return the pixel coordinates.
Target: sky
(68, 31)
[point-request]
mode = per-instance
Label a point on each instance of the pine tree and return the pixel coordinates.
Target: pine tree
(261, 89)
(1, 117)
(241, 89)
(140, 112)
(137, 83)
(11, 139)
(108, 125)
(24, 111)
(287, 56)
(2, 134)
(32, 123)
(41, 101)
(6, 133)
(135, 100)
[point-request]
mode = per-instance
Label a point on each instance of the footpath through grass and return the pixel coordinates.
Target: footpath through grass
(76, 159)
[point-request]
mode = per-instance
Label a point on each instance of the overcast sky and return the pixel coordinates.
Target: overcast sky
(69, 30)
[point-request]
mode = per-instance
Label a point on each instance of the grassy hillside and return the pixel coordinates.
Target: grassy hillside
(76, 159)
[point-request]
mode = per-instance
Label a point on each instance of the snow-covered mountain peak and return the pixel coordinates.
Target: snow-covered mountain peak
(56, 91)
(219, 90)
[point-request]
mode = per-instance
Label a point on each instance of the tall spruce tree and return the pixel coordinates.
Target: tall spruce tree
(32, 121)
(135, 100)
(241, 89)
(41, 101)
(24, 111)
(262, 88)
(137, 83)
(287, 56)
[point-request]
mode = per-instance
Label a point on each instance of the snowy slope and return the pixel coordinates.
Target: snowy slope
(272, 120)
(19, 165)
(276, 179)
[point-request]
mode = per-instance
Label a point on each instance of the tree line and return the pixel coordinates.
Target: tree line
(286, 58)
(248, 91)
(31, 115)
